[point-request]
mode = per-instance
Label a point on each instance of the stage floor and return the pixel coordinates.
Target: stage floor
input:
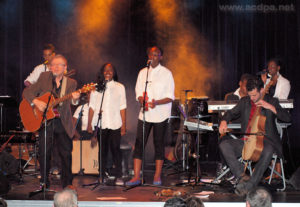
(219, 193)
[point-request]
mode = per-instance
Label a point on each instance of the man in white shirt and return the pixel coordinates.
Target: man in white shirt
(48, 54)
(241, 91)
(159, 97)
(82, 125)
(113, 121)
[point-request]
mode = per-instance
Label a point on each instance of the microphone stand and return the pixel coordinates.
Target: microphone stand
(143, 148)
(100, 180)
(184, 143)
(81, 170)
(198, 171)
(44, 189)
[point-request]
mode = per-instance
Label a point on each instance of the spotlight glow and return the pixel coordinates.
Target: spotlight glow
(185, 49)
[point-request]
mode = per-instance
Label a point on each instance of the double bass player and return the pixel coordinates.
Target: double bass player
(231, 149)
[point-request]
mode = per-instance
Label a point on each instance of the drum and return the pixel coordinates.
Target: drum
(184, 144)
(198, 105)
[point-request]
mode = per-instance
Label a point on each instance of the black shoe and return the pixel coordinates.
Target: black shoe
(243, 186)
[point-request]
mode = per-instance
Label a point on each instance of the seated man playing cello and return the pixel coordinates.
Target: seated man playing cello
(256, 106)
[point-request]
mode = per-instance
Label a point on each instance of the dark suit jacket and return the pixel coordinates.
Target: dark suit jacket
(45, 84)
(242, 109)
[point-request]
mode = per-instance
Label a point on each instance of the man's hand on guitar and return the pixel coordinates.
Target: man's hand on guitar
(223, 127)
(39, 104)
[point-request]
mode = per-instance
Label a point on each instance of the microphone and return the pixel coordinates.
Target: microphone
(264, 71)
(101, 85)
(187, 90)
(45, 62)
(149, 63)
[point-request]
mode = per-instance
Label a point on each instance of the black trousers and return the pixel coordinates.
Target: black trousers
(64, 144)
(158, 139)
(111, 140)
(231, 149)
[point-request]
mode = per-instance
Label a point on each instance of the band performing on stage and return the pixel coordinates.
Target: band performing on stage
(248, 124)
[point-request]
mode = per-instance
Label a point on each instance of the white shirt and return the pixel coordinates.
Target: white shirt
(237, 93)
(35, 74)
(160, 85)
(283, 87)
(84, 117)
(114, 101)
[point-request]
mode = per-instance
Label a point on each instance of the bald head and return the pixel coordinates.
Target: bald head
(65, 198)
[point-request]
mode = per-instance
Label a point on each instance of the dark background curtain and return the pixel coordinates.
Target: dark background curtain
(236, 42)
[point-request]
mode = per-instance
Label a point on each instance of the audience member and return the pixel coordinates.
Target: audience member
(194, 202)
(175, 202)
(258, 197)
(3, 202)
(65, 198)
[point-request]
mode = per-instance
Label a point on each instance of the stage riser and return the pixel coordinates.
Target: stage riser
(29, 203)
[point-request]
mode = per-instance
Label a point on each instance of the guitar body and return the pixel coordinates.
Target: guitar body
(254, 144)
(31, 116)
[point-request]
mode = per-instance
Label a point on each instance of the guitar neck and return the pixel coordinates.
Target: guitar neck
(64, 98)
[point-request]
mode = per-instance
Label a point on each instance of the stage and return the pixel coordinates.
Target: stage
(110, 195)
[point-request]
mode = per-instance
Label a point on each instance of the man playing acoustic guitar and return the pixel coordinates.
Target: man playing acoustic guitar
(247, 109)
(59, 128)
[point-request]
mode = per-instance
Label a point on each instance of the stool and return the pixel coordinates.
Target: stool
(272, 168)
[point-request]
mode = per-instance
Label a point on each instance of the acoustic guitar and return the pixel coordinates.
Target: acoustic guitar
(32, 117)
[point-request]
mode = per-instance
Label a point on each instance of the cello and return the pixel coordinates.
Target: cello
(253, 144)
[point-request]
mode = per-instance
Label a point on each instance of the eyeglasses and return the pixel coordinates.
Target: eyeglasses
(59, 65)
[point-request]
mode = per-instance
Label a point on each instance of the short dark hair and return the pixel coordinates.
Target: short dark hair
(159, 48)
(49, 46)
(259, 197)
(246, 77)
(194, 202)
(277, 60)
(175, 202)
(254, 83)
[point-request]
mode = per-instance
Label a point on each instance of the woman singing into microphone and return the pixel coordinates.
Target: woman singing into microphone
(113, 120)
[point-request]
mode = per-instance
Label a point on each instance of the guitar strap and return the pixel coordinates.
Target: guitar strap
(63, 89)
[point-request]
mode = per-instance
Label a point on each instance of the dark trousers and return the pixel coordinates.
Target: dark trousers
(111, 140)
(158, 139)
(232, 151)
(55, 130)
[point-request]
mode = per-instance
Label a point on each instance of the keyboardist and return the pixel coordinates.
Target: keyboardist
(241, 91)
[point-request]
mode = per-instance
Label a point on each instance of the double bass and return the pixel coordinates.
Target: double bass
(254, 141)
